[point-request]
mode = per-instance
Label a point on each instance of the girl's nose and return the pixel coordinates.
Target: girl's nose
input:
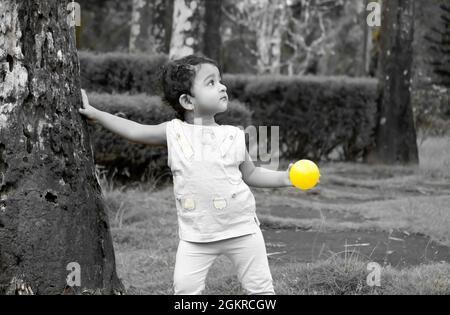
(223, 88)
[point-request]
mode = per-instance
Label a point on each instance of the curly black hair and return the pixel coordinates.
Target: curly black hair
(177, 78)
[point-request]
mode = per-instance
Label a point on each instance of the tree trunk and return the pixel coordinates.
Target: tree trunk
(426, 43)
(51, 208)
(213, 34)
(396, 140)
(188, 28)
(367, 40)
(151, 26)
(269, 36)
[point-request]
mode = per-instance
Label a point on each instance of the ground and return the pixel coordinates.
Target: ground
(318, 242)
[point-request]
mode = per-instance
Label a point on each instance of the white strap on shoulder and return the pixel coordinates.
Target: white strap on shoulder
(184, 143)
(230, 138)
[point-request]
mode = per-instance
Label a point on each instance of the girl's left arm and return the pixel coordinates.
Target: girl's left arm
(260, 177)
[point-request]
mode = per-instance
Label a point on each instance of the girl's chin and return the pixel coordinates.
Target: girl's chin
(222, 110)
(222, 104)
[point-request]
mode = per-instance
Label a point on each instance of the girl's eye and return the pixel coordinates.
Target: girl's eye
(211, 82)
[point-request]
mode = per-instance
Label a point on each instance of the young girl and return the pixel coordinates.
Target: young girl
(212, 172)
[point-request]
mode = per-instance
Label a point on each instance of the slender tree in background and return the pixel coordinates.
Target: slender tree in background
(439, 41)
(188, 28)
(367, 44)
(213, 32)
(51, 208)
(105, 25)
(396, 140)
(151, 26)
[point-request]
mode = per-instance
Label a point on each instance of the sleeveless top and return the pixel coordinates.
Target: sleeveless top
(212, 200)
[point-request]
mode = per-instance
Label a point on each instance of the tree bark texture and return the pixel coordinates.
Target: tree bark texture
(213, 33)
(51, 209)
(396, 140)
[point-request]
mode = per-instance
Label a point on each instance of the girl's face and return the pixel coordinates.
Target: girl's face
(209, 94)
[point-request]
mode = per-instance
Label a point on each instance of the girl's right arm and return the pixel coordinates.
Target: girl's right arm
(130, 130)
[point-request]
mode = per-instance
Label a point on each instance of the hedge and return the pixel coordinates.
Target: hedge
(133, 161)
(121, 72)
(322, 118)
(327, 118)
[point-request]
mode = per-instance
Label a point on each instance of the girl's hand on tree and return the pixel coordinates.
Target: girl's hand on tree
(87, 110)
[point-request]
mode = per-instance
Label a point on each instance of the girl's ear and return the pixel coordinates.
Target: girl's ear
(186, 101)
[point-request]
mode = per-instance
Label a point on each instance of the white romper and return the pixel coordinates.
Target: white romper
(212, 200)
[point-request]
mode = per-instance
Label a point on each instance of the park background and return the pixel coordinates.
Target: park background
(369, 104)
(309, 67)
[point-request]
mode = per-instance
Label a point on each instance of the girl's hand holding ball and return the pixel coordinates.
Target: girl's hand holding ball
(304, 174)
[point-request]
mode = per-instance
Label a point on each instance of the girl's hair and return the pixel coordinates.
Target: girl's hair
(177, 78)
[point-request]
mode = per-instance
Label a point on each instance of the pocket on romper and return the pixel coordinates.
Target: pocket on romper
(218, 216)
(187, 203)
(188, 211)
(225, 211)
(220, 203)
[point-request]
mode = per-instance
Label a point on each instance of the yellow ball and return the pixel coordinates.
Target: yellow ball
(305, 175)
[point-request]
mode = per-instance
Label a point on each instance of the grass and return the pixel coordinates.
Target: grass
(144, 229)
(146, 241)
(348, 277)
(434, 155)
(387, 197)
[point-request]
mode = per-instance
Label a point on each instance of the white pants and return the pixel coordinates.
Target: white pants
(247, 253)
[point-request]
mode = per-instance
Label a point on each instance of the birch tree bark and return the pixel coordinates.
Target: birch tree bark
(51, 208)
(267, 19)
(188, 28)
(270, 30)
(298, 25)
(151, 26)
